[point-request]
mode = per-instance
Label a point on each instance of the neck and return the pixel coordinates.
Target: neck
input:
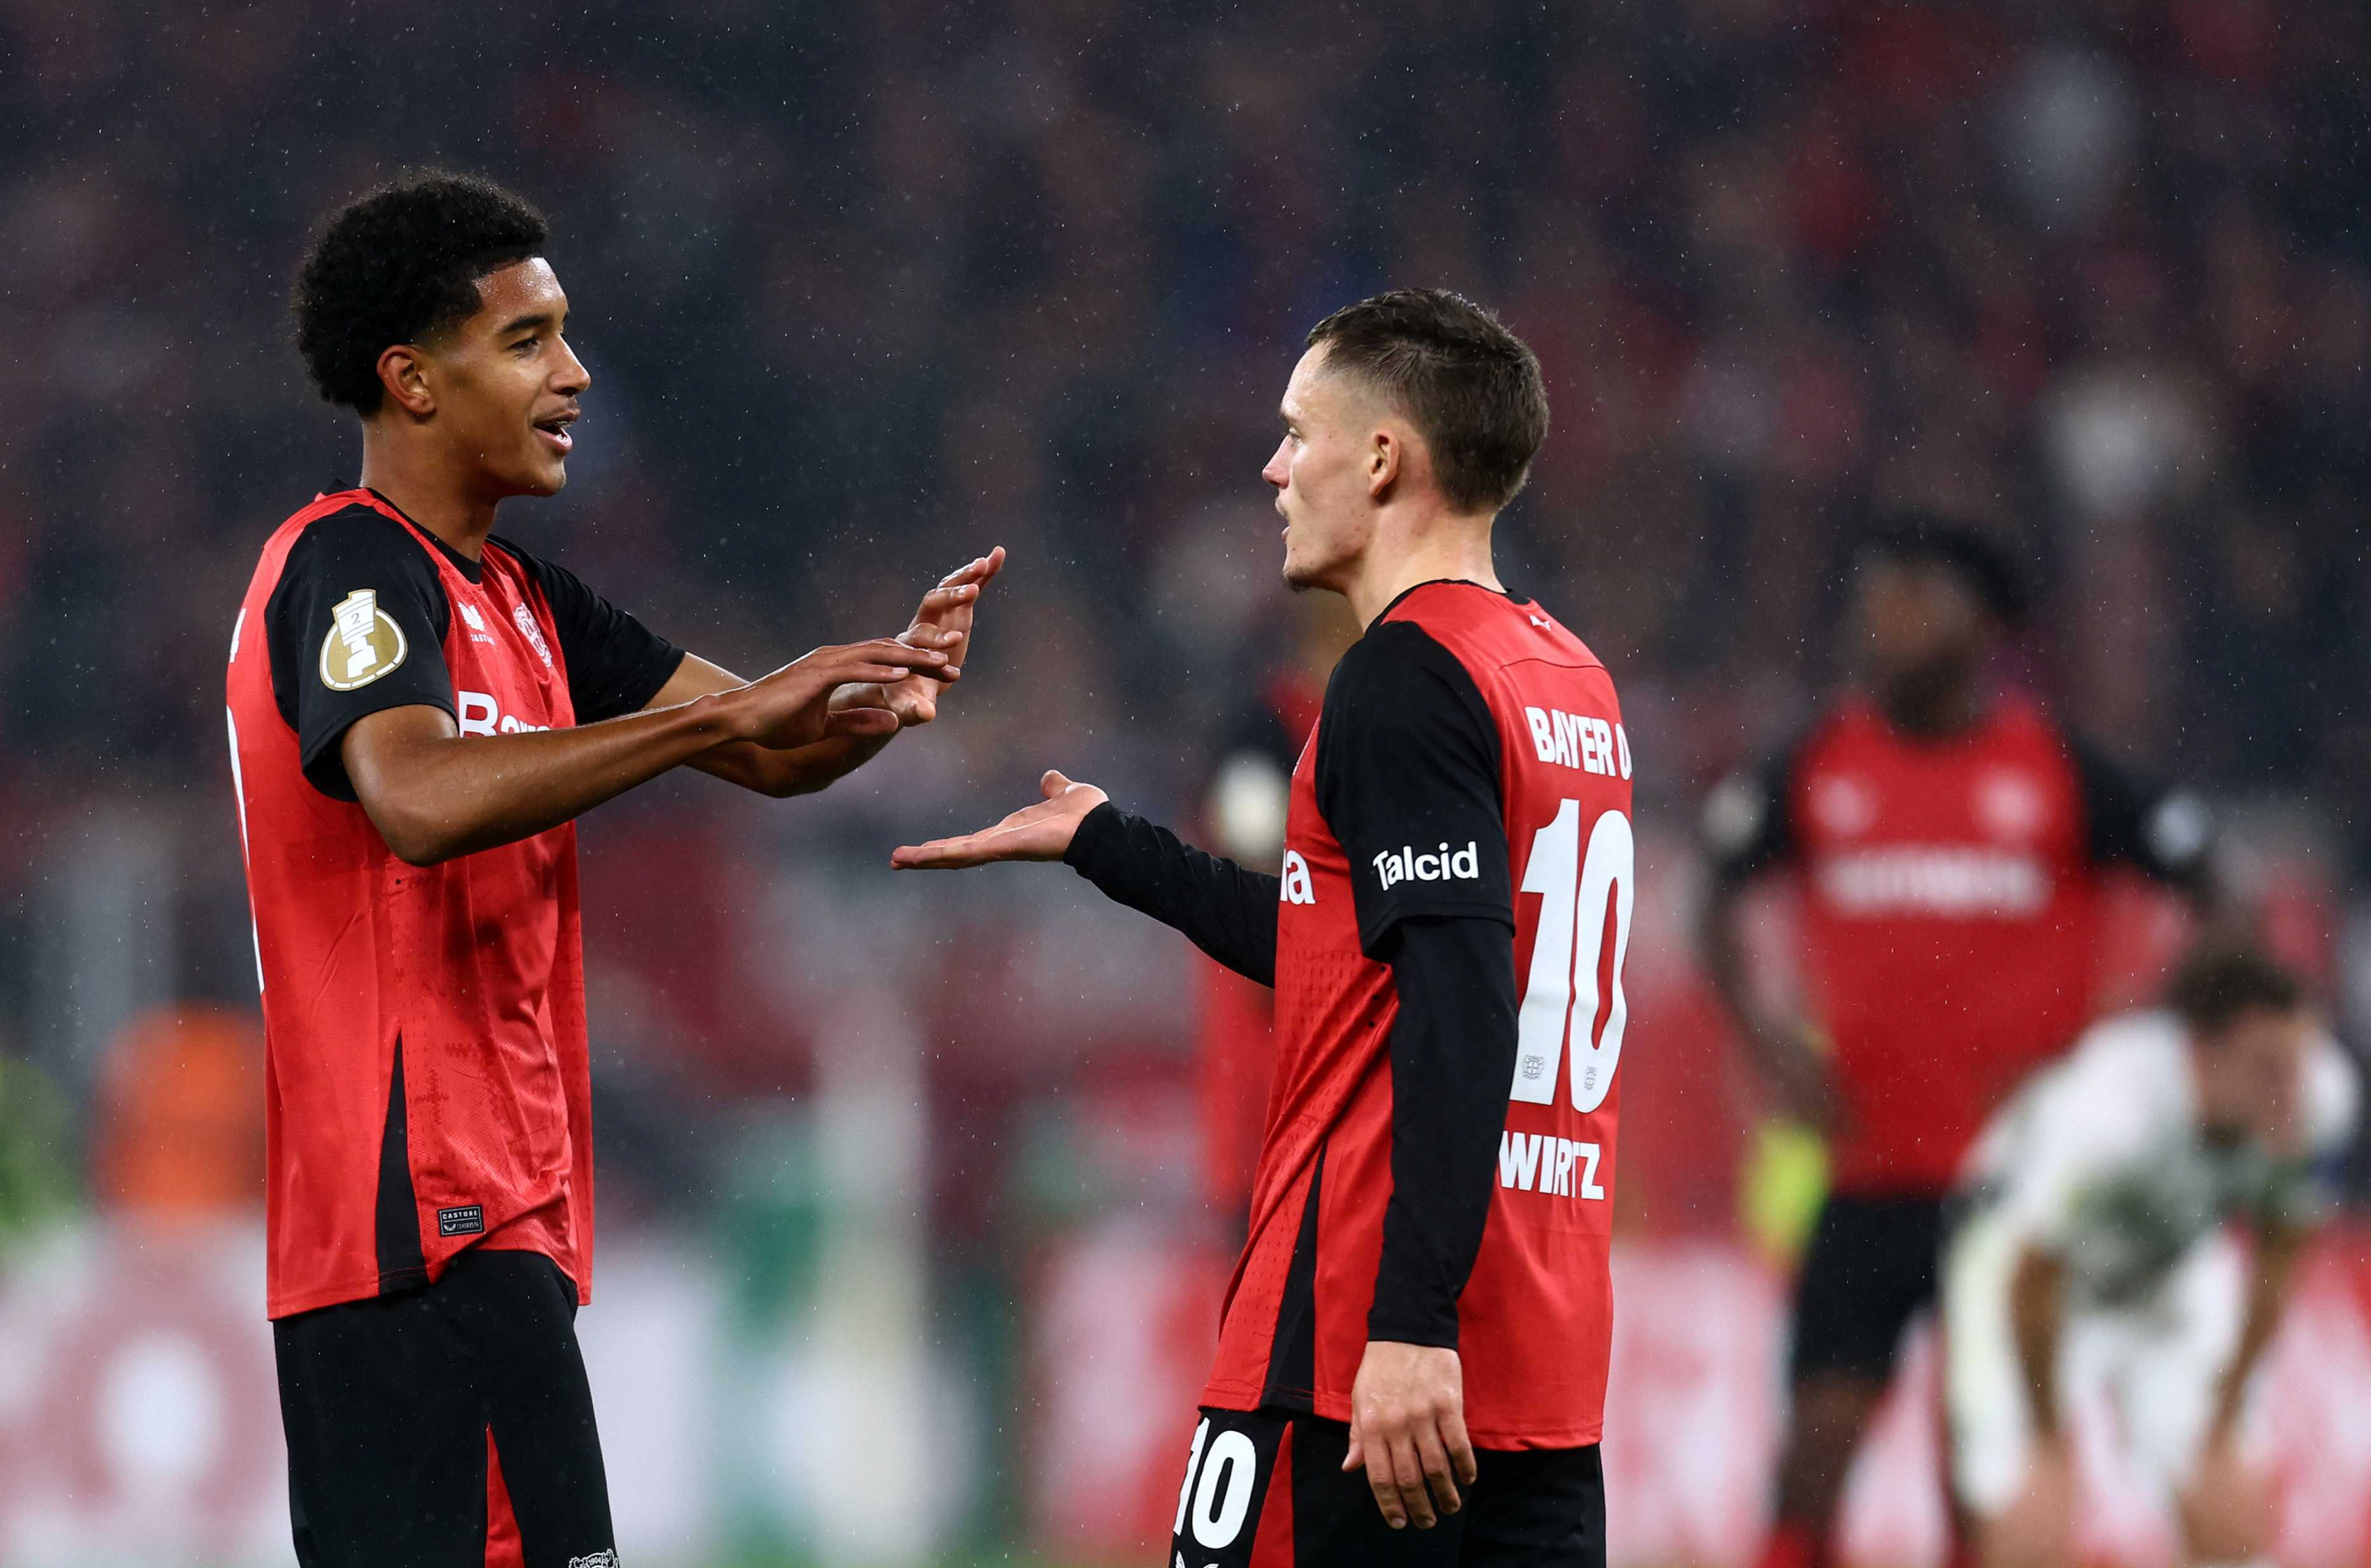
(1440, 547)
(426, 487)
(1934, 709)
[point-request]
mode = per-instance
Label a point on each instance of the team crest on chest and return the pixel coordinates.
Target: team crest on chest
(363, 642)
(534, 633)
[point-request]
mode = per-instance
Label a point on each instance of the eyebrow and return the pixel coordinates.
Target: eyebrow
(521, 323)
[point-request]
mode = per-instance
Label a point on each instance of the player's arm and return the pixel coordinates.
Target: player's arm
(1408, 755)
(1746, 830)
(433, 794)
(1226, 909)
(355, 631)
(2166, 834)
(944, 621)
(2037, 1297)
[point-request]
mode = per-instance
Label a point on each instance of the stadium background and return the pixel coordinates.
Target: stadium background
(905, 1255)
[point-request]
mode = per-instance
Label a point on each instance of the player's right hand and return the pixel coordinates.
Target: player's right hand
(1042, 832)
(793, 706)
(2037, 1529)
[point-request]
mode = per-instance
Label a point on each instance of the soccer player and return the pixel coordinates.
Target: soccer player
(1419, 1327)
(418, 710)
(2095, 1256)
(1949, 841)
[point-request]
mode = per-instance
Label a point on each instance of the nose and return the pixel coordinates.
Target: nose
(570, 377)
(1280, 465)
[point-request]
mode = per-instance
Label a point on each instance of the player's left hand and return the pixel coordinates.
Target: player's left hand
(942, 622)
(1408, 1427)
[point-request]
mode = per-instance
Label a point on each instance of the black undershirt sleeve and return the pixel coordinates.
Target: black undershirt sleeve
(1746, 825)
(2166, 834)
(615, 665)
(1453, 1058)
(335, 659)
(1228, 911)
(1408, 778)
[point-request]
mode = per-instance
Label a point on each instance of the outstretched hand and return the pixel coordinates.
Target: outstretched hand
(944, 622)
(1042, 832)
(794, 706)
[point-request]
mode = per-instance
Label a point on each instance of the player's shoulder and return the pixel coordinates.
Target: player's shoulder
(2333, 1094)
(2132, 1057)
(349, 525)
(1489, 624)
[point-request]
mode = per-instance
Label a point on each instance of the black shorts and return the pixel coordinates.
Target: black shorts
(1869, 1270)
(392, 1405)
(1267, 1489)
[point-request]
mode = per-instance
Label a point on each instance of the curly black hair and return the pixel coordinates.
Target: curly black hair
(396, 266)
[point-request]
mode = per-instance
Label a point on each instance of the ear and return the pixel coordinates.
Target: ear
(1385, 454)
(403, 374)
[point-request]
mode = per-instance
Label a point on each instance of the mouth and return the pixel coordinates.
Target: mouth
(553, 430)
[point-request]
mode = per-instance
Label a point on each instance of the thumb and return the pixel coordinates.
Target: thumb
(861, 722)
(1052, 785)
(1356, 1458)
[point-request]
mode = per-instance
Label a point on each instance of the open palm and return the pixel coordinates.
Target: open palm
(1042, 832)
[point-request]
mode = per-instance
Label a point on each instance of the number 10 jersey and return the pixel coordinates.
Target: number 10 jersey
(1535, 1317)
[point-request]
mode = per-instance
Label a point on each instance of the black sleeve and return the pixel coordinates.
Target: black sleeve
(1746, 825)
(2165, 833)
(1228, 911)
(1408, 778)
(615, 665)
(355, 625)
(1453, 1051)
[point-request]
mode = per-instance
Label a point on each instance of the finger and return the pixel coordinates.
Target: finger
(890, 675)
(1407, 1474)
(1461, 1463)
(937, 855)
(949, 598)
(1052, 784)
(1354, 1458)
(1386, 1490)
(1434, 1457)
(861, 722)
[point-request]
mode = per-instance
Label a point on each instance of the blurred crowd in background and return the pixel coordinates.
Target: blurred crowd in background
(867, 288)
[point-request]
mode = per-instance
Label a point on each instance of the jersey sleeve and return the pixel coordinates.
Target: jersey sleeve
(1453, 1055)
(1746, 825)
(2310, 1190)
(2165, 833)
(2083, 1129)
(355, 625)
(1226, 910)
(1408, 778)
(615, 665)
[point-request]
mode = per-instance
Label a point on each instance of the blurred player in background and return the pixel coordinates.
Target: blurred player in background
(418, 711)
(2092, 1255)
(1949, 841)
(1243, 809)
(1418, 1330)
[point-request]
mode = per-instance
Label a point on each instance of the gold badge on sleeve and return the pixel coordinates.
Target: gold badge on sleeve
(363, 642)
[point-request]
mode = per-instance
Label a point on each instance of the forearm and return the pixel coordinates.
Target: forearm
(2037, 1313)
(1226, 910)
(433, 797)
(2276, 1259)
(1722, 954)
(800, 771)
(1453, 1060)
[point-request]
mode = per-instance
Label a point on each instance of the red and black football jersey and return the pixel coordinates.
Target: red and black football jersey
(426, 1071)
(1952, 908)
(1469, 768)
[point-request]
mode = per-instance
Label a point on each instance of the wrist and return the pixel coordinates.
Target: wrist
(720, 716)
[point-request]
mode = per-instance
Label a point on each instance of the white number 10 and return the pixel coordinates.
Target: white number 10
(1560, 999)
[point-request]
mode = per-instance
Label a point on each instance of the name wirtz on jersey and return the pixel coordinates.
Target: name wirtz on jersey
(1406, 865)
